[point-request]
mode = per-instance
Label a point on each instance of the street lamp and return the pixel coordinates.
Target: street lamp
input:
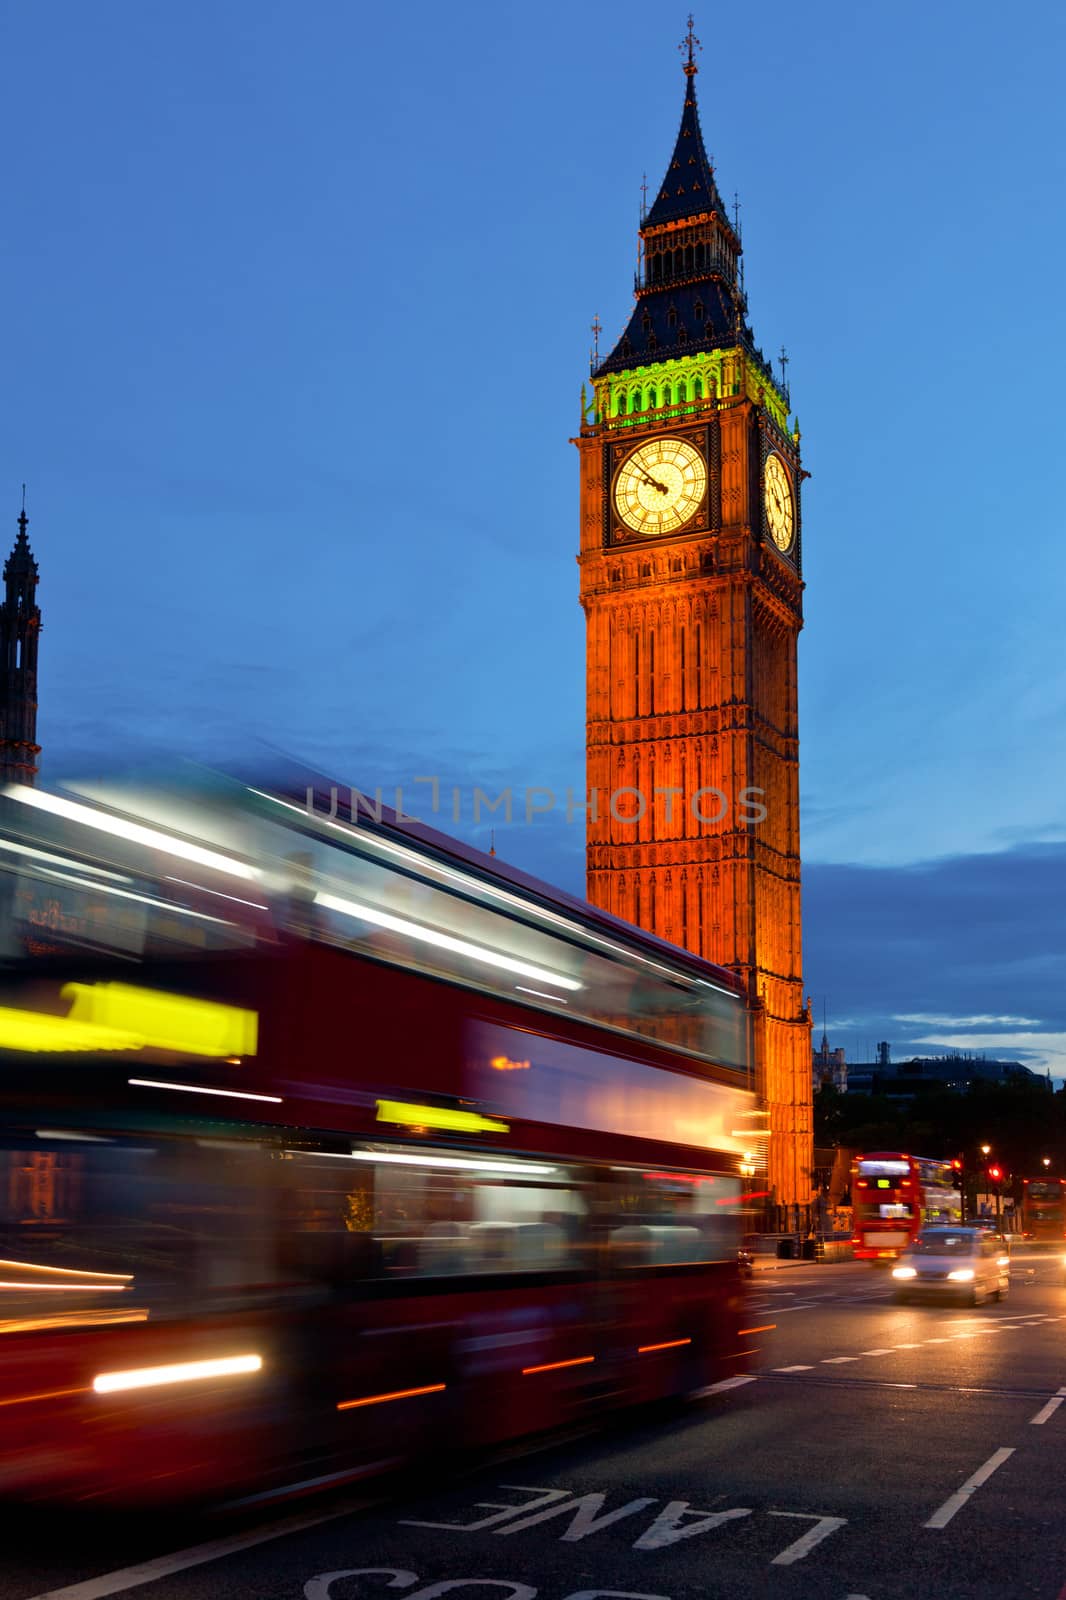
(986, 1149)
(1047, 1162)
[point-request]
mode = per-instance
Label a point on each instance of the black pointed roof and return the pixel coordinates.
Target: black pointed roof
(689, 187)
(20, 562)
(679, 321)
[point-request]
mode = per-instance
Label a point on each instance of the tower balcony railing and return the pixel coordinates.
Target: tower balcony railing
(677, 409)
(642, 284)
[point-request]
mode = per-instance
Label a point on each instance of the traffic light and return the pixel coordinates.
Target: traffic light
(995, 1174)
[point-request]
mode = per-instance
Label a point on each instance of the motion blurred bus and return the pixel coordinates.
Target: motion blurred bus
(325, 1144)
(1044, 1209)
(894, 1195)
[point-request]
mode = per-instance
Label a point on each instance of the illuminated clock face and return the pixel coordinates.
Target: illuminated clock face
(660, 486)
(777, 495)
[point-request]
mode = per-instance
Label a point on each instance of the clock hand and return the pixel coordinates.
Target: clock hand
(662, 487)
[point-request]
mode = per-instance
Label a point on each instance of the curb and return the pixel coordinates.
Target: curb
(773, 1264)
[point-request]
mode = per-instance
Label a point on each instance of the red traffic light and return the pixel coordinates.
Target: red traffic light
(995, 1173)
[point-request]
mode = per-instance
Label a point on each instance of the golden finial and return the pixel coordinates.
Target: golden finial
(690, 43)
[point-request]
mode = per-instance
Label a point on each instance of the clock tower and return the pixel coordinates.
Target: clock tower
(691, 583)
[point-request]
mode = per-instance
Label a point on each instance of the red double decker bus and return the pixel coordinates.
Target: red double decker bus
(1044, 1208)
(326, 1145)
(894, 1195)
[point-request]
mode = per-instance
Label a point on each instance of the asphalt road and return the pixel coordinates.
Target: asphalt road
(892, 1452)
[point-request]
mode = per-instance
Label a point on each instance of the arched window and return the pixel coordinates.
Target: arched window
(681, 664)
(18, 649)
(697, 389)
(636, 674)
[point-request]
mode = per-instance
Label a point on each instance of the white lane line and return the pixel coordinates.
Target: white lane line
(956, 1501)
(793, 1369)
(823, 1527)
(909, 1346)
(724, 1384)
(1050, 1409)
(832, 1361)
(936, 1341)
(197, 1555)
(876, 1352)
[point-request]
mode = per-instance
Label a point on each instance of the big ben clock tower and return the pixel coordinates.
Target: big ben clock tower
(691, 583)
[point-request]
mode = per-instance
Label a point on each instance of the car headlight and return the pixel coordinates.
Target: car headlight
(904, 1272)
(1003, 1261)
(961, 1275)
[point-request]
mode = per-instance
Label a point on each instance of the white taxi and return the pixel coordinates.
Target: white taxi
(952, 1262)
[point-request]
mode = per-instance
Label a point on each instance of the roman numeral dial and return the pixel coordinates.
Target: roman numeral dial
(660, 486)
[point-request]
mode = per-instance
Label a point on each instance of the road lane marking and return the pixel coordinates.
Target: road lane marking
(1048, 1410)
(886, 1352)
(196, 1555)
(794, 1369)
(909, 1346)
(832, 1361)
(936, 1341)
(853, 1381)
(955, 1502)
(823, 1527)
(724, 1384)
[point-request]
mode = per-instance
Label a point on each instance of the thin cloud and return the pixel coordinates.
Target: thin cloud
(927, 1020)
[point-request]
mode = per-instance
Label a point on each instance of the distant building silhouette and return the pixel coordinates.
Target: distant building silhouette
(829, 1066)
(20, 624)
(923, 1074)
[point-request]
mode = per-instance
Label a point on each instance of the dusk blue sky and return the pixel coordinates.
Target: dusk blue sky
(297, 304)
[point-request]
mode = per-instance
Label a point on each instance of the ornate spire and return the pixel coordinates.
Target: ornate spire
(689, 189)
(20, 562)
(689, 285)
